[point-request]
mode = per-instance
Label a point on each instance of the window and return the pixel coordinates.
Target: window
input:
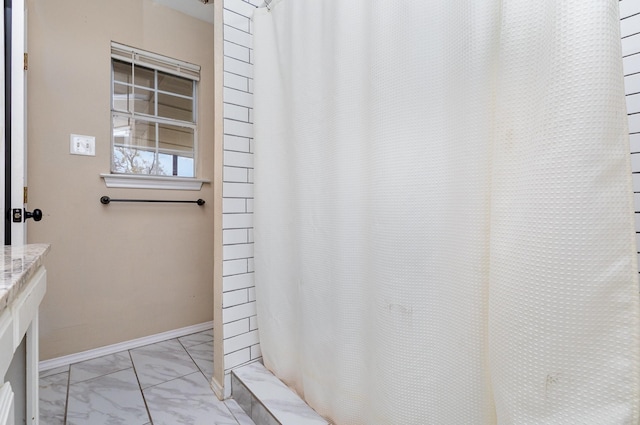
(153, 114)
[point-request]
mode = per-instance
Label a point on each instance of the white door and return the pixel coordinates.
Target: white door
(16, 206)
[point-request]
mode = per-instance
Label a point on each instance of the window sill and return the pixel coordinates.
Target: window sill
(131, 181)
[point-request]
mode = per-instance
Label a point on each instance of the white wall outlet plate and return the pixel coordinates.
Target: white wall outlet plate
(82, 145)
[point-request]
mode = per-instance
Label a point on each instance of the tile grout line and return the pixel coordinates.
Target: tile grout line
(144, 399)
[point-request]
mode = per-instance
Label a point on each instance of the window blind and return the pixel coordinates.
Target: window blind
(155, 61)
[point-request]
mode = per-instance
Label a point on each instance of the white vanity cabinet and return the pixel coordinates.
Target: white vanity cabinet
(23, 284)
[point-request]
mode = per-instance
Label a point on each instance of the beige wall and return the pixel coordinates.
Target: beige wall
(121, 271)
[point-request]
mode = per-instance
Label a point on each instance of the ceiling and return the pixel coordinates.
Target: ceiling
(195, 8)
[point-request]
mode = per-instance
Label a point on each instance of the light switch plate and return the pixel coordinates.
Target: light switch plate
(82, 145)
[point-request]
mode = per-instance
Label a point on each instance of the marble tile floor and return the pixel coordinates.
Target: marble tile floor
(166, 383)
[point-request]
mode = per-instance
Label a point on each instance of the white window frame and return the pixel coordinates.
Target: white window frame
(138, 57)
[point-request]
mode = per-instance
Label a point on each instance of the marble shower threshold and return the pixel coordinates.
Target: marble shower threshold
(267, 401)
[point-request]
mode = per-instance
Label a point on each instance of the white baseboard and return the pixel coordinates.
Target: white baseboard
(217, 389)
(121, 346)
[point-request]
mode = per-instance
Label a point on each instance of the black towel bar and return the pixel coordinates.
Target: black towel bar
(106, 200)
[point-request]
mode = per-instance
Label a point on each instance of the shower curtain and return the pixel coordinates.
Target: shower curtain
(443, 211)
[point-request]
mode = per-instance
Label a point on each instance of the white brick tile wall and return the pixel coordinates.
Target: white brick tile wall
(236, 143)
(237, 67)
(237, 312)
(256, 353)
(237, 97)
(235, 298)
(236, 20)
(630, 31)
(628, 8)
(241, 344)
(237, 358)
(237, 221)
(234, 267)
(238, 281)
(238, 128)
(232, 205)
(236, 328)
(233, 236)
(235, 174)
(236, 51)
(240, 7)
(234, 252)
(238, 159)
(237, 36)
(632, 83)
(238, 190)
(253, 322)
(237, 113)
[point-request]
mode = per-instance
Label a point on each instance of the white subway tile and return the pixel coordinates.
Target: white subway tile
(237, 221)
(235, 328)
(240, 341)
(238, 281)
(249, 205)
(635, 142)
(229, 299)
(234, 205)
(236, 358)
(256, 3)
(256, 352)
(232, 50)
(232, 267)
(237, 36)
(236, 20)
(630, 25)
(237, 190)
(631, 64)
(238, 128)
(634, 123)
(251, 292)
(236, 174)
(236, 143)
(629, 7)
(235, 112)
(250, 85)
(240, 7)
(250, 265)
(635, 162)
(231, 314)
(238, 159)
(633, 103)
(235, 66)
(631, 84)
(234, 236)
(253, 323)
(631, 45)
(238, 97)
(237, 82)
(238, 251)
(636, 183)
(250, 231)
(251, 112)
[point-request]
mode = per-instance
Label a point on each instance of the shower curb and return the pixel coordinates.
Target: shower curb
(268, 401)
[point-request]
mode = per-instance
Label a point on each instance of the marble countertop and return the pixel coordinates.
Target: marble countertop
(17, 265)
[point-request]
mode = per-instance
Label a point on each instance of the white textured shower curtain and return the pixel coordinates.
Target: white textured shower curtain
(443, 211)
